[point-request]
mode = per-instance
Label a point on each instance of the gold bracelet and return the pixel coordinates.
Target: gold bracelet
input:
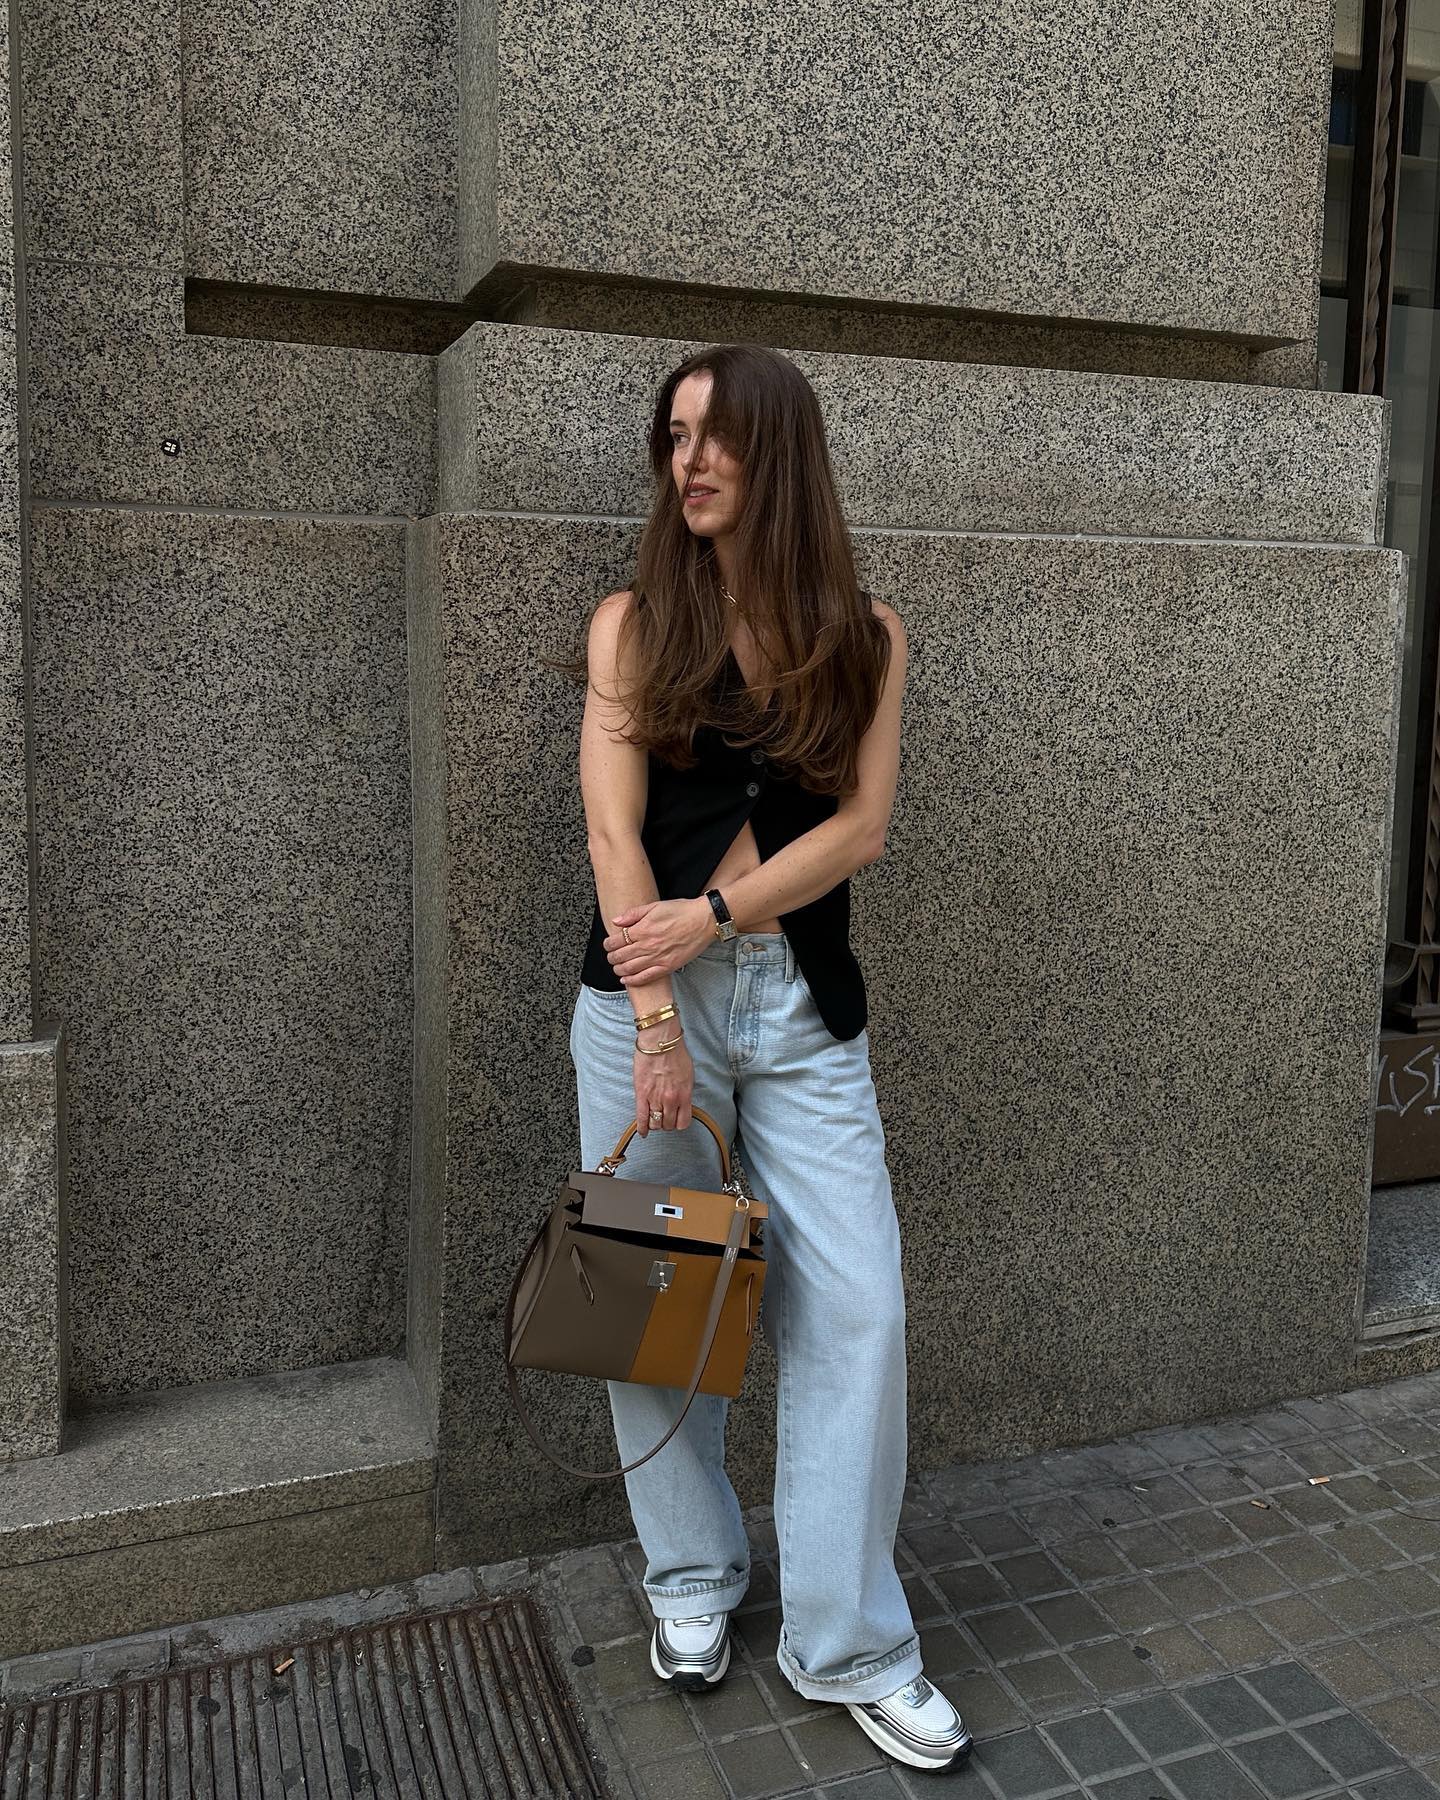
(659, 1049)
(667, 1011)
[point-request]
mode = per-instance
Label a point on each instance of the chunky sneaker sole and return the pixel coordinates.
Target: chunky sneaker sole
(692, 1654)
(916, 1725)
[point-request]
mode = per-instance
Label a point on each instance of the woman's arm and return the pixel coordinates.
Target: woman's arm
(613, 786)
(802, 870)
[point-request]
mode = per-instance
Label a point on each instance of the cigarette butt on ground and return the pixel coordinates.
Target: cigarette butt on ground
(280, 1668)
(1263, 1504)
(1318, 1480)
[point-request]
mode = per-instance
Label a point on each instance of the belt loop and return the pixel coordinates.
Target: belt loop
(789, 959)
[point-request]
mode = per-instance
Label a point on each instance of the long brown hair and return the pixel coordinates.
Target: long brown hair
(825, 652)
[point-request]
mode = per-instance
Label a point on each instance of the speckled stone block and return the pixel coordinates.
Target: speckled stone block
(17, 1021)
(1042, 160)
(104, 160)
(320, 146)
(223, 923)
(1123, 953)
(920, 445)
(33, 1310)
(169, 1581)
(125, 406)
(169, 1462)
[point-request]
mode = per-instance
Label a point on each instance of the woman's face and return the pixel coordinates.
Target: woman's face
(712, 504)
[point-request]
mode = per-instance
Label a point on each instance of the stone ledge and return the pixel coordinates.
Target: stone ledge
(173, 1462)
(927, 445)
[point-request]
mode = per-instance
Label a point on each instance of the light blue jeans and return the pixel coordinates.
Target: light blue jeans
(799, 1106)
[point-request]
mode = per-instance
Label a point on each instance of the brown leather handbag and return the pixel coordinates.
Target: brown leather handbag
(633, 1281)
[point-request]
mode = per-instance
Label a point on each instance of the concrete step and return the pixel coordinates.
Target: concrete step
(174, 1503)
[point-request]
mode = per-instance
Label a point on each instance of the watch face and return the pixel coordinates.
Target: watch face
(728, 929)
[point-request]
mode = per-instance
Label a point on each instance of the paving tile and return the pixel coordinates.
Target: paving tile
(1347, 1746)
(1032, 1574)
(1091, 1743)
(1177, 1654)
(1259, 1523)
(1192, 1592)
(1249, 1575)
(1046, 1681)
(1291, 1692)
(986, 1706)
(655, 1727)
(1361, 1546)
(1354, 1602)
(1314, 1507)
(1161, 1726)
(757, 1632)
(758, 1765)
(1280, 1764)
(1112, 1668)
(1352, 1672)
(1071, 1618)
(944, 1649)
(1007, 1633)
(835, 1745)
(1151, 1546)
(1174, 1444)
(1228, 1709)
(974, 1585)
(732, 1705)
(1295, 1620)
(1306, 1560)
(602, 1618)
(1215, 1482)
(1143, 1785)
(1405, 1785)
(924, 1603)
(1090, 1558)
(1021, 1765)
(1407, 1723)
(936, 1546)
(1409, 1651)
(879, 1784)
(995, 1534)
(1212, 1776)
(1052, 1521)
(1204, 1533)
(1237, 1638)
(693, 1776)
(1112, 1506)
(1134, 1605)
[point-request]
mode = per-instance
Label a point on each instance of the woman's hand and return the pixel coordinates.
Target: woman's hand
(664, 936)
(663, 1083)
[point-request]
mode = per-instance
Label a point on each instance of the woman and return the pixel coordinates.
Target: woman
(738, 762)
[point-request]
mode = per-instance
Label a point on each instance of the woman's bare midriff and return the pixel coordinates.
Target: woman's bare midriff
(742, 856)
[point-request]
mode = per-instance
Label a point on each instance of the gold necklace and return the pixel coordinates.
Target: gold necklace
(728, 595)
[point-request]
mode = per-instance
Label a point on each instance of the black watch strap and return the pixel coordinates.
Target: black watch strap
(721, 912)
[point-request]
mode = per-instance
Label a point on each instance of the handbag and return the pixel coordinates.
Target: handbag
(637, 1281)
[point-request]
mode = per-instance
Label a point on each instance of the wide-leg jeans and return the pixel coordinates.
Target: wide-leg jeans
(799, 1106)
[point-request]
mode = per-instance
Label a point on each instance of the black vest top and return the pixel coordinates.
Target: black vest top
(692, 816)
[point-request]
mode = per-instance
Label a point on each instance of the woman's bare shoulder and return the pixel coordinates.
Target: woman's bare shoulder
(887, 616)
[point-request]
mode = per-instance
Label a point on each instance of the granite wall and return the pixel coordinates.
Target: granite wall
(1051, 174)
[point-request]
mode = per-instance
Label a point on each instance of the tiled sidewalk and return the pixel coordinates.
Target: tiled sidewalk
(1182, 1614)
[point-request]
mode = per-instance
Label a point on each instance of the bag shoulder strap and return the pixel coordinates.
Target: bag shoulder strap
(712, 1325)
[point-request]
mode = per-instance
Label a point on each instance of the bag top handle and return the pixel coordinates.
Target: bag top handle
(608, 1164)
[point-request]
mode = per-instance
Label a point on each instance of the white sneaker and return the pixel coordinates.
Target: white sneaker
(692, 1654)
(916, 1725)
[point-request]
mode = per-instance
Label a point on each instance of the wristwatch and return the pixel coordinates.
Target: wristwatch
(725, 926)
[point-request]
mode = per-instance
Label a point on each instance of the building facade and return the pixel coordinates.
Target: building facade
(329, 345)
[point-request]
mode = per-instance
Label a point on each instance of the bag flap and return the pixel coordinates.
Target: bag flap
(676, 1212)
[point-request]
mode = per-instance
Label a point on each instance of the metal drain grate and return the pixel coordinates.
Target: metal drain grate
(455, 1705)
